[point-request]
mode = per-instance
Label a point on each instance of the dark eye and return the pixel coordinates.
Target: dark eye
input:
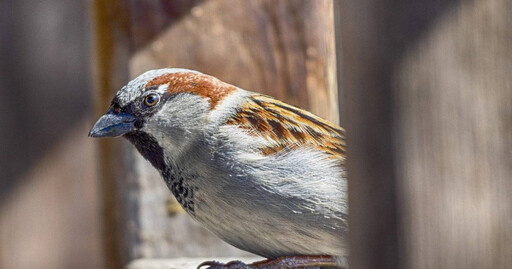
(151, 99)
(116, 108)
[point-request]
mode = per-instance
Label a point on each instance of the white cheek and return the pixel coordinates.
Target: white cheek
(178, 122)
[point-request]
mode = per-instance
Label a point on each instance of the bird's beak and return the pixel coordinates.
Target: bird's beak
(113, 124)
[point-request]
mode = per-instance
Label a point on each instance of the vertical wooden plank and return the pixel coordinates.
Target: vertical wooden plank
(456, 178)
(366, 66)
(427, 106)
(280, 48)
(338, 46)
(110, 71)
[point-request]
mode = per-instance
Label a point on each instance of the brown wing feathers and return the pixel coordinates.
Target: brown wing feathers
(287, 127)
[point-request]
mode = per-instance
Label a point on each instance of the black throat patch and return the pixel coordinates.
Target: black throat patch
(174, 176)
(148, 148)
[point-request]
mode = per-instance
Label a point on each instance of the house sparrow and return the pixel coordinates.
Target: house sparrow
(262, 175)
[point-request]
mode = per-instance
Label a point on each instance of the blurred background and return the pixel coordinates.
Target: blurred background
(423, 88)
(49, 203)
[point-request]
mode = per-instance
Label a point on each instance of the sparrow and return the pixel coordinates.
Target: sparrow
(264, 176)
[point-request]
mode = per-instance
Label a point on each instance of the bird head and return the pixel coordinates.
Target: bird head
(161, 110)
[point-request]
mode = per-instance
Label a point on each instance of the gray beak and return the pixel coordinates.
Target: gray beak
(112, 125)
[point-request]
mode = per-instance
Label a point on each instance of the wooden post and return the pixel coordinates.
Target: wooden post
(110, 69)
(428, 110)
(280, 48)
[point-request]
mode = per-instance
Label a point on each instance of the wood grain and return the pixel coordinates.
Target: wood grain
(281, 48)
(428, 108)
(110, 72)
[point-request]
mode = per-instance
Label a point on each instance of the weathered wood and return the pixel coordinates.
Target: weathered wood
(428, 109)
(110, 71)
(281, 48)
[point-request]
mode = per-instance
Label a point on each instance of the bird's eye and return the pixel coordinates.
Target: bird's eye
(116, 108)
(151, 99)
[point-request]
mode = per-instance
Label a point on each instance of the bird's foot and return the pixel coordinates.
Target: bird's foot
(284, 262)
(229, 265)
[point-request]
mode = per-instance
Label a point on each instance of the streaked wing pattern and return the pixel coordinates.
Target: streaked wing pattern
(287, 127)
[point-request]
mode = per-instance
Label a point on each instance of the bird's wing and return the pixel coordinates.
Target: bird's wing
(286, 127)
